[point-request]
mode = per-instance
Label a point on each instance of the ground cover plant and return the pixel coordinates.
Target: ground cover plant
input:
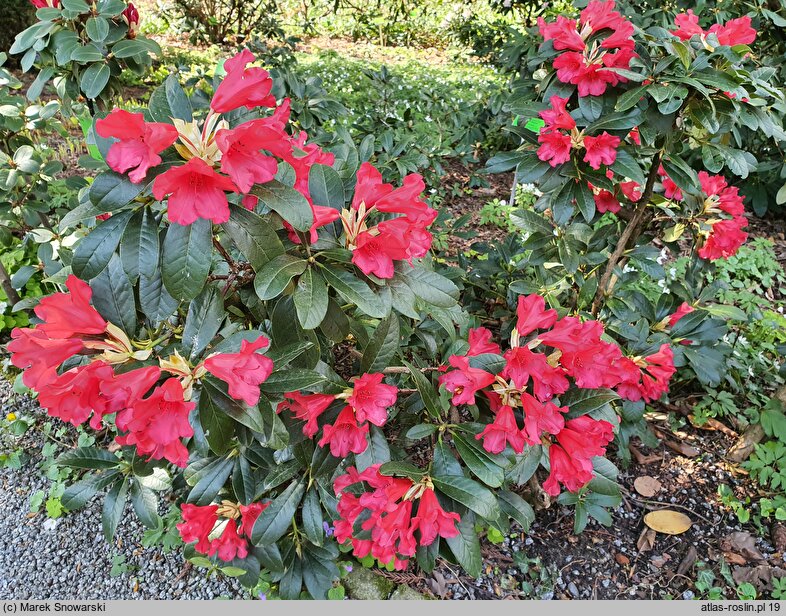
(271, 347)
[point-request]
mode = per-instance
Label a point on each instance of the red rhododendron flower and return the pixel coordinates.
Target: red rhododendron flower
(523, 365)
(201, 524)
(243, 87)
(635, 136)
(124, 389)
(480, 342)
(562, 33)
(241, 158)
(657, 373)
(570, 67)
(377, 255)
(557, 117)
(725, 239)
(42, 4)
(605, 201)
(345, 435)
(306, 408)
(554, 148)
(570, 335)
(649, 378)
(388, 518)
(687, 25)
(570, 472)
(39, 355)
(670, 189)
(570, 458)
(406, 200)
(156, 424)
(131, 17)
(735, 32)
(466, 381)
(721, 195)
(243, 371)
(249, 515)
(433, 521)
(502, 431)
(601, 16)
(591, 364)
(302, 157)
(66, 315)
(371, 398)
(593, 79)
(195, 191)
(139, 143)
(601, 149)
(197, 524)
(586, 66)
(414, 237)
(541, 417)
(631, 190)
(531, 314)
(229, 544)
(75, 395)
(376, 249)
(684, 308)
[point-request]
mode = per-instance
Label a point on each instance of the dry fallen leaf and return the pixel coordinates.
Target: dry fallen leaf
(647, 486)
(668, 522)
(622, 559)
(646, 540)
(713, 424)
(740, 548)
(747, 442)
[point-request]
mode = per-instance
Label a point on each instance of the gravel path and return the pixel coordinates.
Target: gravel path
(68, 558)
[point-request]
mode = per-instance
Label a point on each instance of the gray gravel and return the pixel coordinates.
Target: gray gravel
(68, 558)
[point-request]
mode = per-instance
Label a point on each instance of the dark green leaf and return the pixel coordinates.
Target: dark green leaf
(383, 345)
(113, 296)
(210, 481)
(287, 202)
(186, 260)
(274, 521)
(470, 494)
(254, 237)
(93, 252)
(311, 298)
(274, 276)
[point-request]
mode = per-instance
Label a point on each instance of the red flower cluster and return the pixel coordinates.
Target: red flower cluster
(585, 63)
(376, 248)
(218, 160)
(384, 520)
(734, 32)
(556, 144)
(42, 4)
(726, 234)
(139, 145)
(531, 379)
(367, 402)
(68, 320)
(155, 425)
(723, 211)
(215, 528)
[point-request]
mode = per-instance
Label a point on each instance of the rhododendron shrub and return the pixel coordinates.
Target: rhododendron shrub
(254, 324)
(631, 137)
(83, 47)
